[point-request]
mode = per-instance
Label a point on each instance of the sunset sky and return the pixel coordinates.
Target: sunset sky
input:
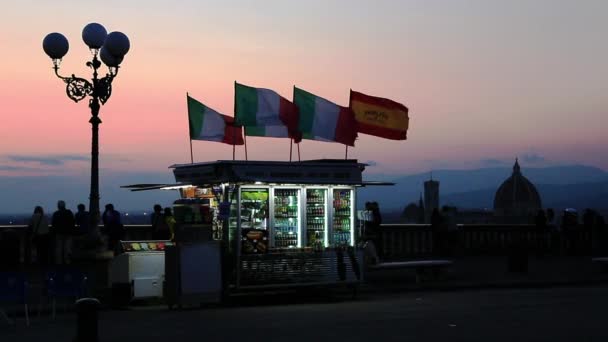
(485, 81)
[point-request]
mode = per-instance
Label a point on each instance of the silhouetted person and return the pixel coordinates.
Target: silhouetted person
(41, 237)
(603, 235)
(376, 227)
(82, 220)
(62, 229)
(113, 226)
(550, 216)
(160, 229)
(570, 229)
(170, 221)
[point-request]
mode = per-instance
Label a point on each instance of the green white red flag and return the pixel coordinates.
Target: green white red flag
(263, 112)
(323, 120)
(207, 124)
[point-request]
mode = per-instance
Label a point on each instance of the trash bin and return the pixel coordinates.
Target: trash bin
(87, 311)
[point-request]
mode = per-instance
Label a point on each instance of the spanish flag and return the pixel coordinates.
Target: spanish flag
(379, 116)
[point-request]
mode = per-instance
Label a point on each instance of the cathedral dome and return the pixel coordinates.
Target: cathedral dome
(517, 198)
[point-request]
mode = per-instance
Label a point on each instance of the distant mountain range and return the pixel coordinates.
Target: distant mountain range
(574, 186)
(560, 186)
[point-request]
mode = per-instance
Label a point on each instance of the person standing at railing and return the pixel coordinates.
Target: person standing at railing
(113, 226)
(170, 221)
(63, 224)
(160, 229)
(82, 220)
(376, 223)
(38, 229)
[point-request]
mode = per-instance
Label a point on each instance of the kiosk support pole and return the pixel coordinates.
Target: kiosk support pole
(290, 148)
(346, 153)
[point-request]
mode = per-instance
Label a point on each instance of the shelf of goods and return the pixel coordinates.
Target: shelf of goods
(315, 217)
(342, 224)
(286, 218)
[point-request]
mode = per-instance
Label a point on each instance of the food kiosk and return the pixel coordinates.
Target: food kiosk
(280, 224)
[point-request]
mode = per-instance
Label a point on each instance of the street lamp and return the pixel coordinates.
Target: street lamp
(111, 49)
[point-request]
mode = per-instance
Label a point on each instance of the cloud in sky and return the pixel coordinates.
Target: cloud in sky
(16, 168)
(55, 160)
(533, 158)
(491, 162)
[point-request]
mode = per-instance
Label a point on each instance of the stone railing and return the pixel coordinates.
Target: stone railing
(18, 232)
(408, 240)
(419, 240)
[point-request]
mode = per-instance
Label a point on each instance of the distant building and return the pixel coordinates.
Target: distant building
(431, 198)
(410, 213)
(516, 200)
(413, 213)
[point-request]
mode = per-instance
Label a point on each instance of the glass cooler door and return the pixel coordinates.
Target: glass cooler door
(316, 218)
(254, 208)
(342, 217)
(286, 217)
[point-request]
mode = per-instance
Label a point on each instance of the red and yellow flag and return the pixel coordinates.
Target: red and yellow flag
(379, 116)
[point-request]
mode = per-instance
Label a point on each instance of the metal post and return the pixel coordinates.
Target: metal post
(86, 326)
(290, 148)
(94, 213)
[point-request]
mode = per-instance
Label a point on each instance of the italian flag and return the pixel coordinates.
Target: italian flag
(278, 131)
(323, 120)
(265, 113)
(207, 124)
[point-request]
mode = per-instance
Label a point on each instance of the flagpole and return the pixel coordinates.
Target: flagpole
(233, 143)
(245, 140)
(191, 154)
(299, 152)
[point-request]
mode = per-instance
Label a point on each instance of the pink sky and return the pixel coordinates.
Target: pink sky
(483, 79)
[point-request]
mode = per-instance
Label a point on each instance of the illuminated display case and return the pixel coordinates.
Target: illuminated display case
(343, 220)
(316, 218)
(286, 219)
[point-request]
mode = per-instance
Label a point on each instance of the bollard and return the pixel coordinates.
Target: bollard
(86, 328)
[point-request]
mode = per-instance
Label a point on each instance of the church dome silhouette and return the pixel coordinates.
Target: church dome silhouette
(517, 200)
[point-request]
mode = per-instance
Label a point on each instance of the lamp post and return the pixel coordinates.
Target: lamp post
(111, 49)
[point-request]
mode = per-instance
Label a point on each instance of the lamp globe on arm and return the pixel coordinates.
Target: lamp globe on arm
(117, 44)
(94, 35)
(55, 45)
(108, 59)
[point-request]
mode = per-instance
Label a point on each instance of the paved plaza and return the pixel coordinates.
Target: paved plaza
(549, 314)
